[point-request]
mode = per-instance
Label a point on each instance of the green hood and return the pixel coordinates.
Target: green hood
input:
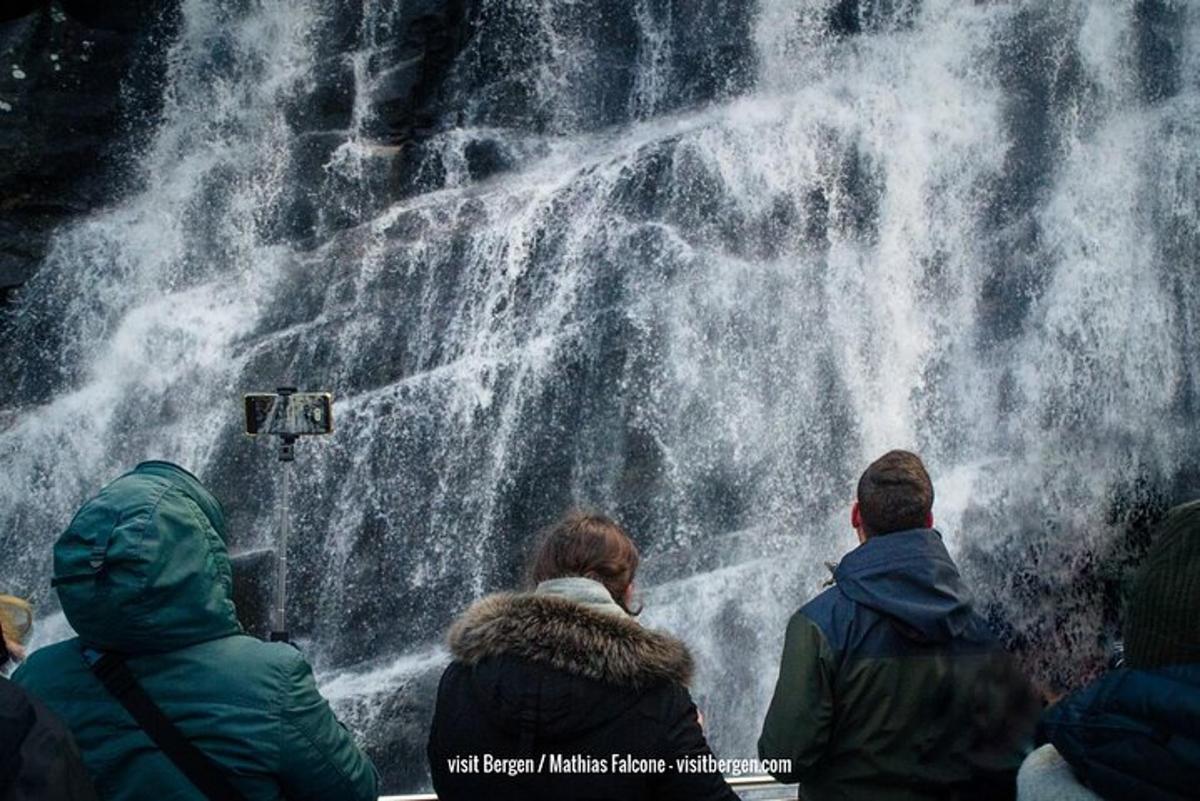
(143, 566)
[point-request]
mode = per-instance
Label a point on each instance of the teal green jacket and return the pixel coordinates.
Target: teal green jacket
(143, 570)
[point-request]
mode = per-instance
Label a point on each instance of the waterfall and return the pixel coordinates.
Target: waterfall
(693, 264)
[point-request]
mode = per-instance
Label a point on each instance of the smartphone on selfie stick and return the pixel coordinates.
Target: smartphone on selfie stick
(288, 415)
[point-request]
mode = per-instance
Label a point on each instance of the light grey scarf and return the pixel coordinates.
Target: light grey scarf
(585, 591)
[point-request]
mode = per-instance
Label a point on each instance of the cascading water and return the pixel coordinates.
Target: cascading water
(692, 263)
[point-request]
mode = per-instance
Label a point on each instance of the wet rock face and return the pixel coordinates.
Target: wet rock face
(73, 79)
(688, 261)
(412, 66)
(81, 86)
(1159, 47)
(400, 714)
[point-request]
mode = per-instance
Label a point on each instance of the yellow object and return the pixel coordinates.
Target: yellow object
(16, 619)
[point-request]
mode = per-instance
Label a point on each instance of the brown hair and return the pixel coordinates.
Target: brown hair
(894, 494)
(589, 545)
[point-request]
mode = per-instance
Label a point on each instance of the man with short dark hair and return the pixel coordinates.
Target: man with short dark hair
(891, 686)
(894, 494)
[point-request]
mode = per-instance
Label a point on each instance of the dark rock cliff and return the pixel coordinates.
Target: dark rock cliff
(76, 79)
(81, 84)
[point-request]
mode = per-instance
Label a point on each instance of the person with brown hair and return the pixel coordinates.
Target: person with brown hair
(559, 693)
(891, 685)
(38, 757)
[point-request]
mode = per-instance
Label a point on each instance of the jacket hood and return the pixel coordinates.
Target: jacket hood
(565, 635)
(909, 577)
(143, 566)
(554, 667)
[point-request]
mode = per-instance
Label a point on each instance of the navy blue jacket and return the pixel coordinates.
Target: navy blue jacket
(1134, 735)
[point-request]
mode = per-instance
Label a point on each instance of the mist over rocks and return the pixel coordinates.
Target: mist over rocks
(693, 263)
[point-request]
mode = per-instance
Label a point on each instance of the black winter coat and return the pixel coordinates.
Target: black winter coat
(38, 757)
(566, 692)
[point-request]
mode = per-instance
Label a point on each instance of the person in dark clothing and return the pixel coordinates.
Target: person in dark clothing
(560, 694)
(38, 757)
(891, 685)
(1134, 735)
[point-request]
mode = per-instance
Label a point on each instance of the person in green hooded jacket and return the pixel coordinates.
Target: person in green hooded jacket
(143, 571)
(892, 687)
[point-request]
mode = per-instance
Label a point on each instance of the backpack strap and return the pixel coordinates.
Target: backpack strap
(199, 768)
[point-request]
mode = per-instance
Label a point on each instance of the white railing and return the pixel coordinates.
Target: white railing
(738, 783)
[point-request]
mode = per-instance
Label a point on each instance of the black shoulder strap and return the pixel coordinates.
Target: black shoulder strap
(200, 770)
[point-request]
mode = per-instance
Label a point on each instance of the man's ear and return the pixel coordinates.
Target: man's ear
(855, 517)
(929, 519)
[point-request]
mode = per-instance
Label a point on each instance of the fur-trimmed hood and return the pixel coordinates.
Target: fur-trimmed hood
(559, 673)
(567, 636)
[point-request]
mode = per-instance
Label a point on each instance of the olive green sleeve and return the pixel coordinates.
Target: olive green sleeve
(800, 718)
(319, 758)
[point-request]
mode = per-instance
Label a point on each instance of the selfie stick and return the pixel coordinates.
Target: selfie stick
(287, 454)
